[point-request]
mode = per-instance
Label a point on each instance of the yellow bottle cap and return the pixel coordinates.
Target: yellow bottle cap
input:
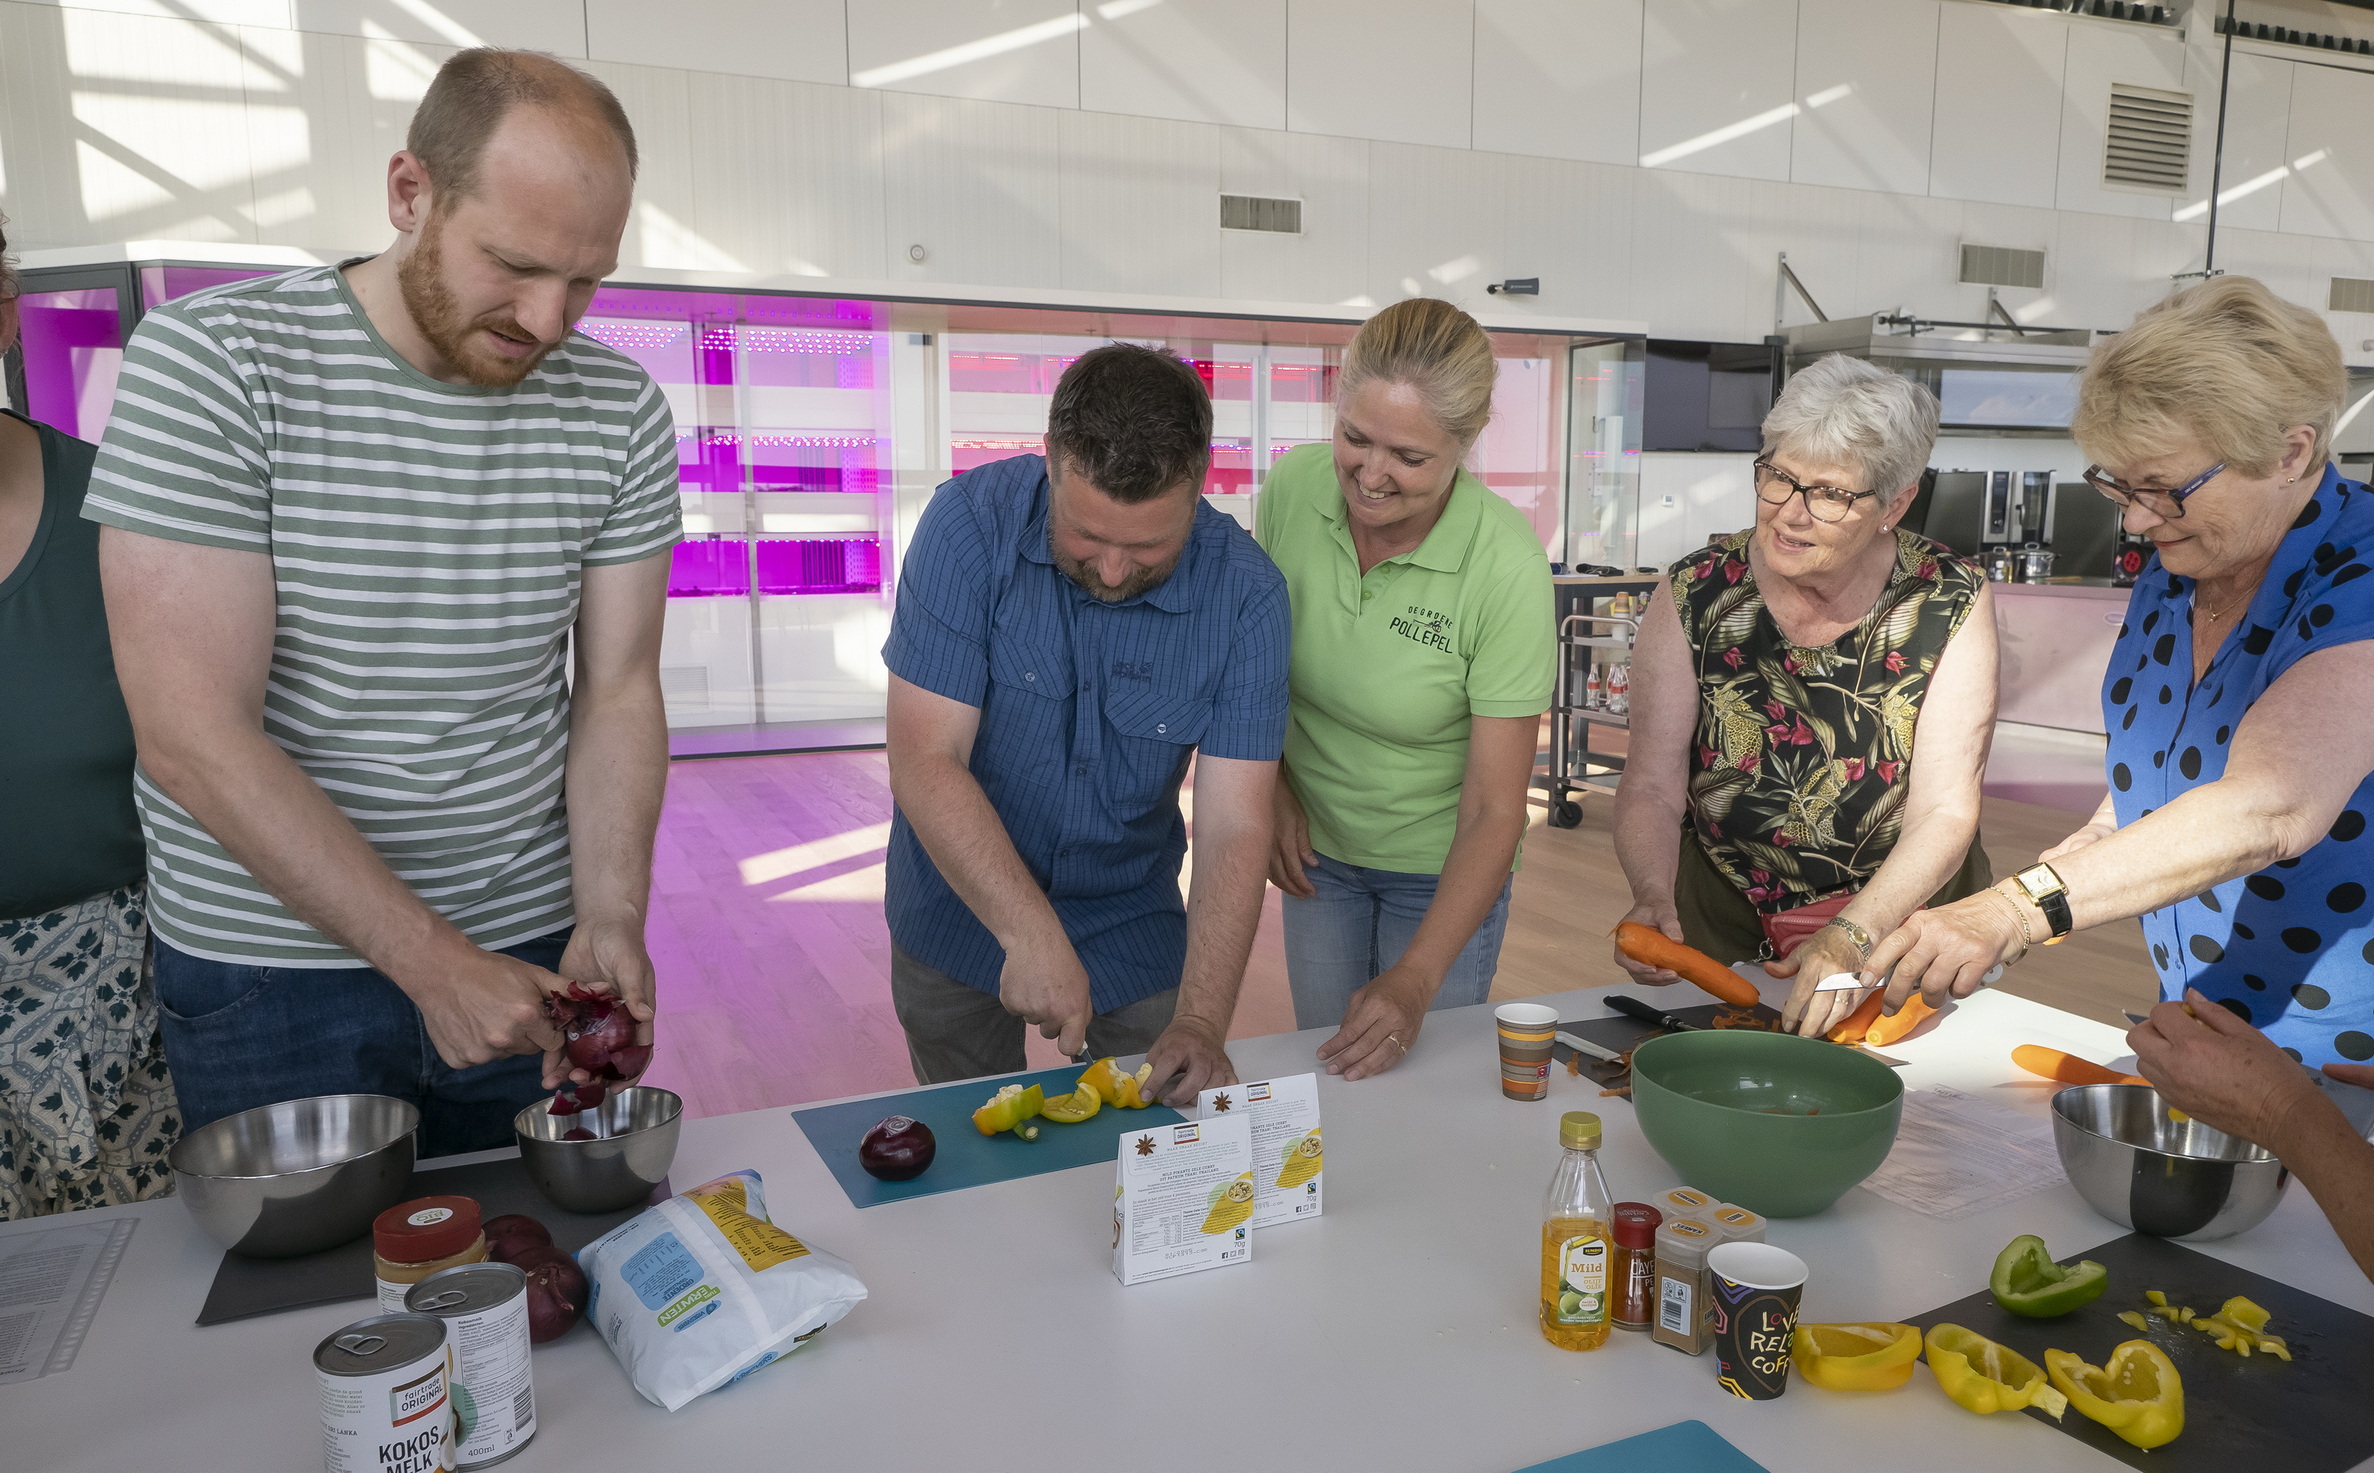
(1578, 1130)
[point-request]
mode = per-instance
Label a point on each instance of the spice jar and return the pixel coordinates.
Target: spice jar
(1682, 1316)
(426, 1235)
(1685, 1202)
(1635, 1271)
(1736, 1224)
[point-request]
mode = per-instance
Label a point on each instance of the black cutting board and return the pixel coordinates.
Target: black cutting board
(244, 1287)
(2314, 1415)
(1623, 1034)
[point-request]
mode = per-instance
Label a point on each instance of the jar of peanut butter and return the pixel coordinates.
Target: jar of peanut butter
(426, 1235)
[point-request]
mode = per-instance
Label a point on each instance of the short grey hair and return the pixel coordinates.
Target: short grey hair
(1844, 411)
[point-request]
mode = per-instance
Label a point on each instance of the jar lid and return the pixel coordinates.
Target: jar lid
(425, 1229)
(1637, 1224)
(1578, 1130)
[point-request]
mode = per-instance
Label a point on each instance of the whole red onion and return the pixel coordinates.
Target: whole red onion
(556, 1293)
(898, 1149)
(600, 1039)
(513, 1235)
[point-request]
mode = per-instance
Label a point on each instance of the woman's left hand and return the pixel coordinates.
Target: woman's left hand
(1947, 952)
(1826, 953)
(1380, 1024)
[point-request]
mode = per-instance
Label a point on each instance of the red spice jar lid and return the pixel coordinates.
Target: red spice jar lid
(425, 1229)
(1637, 1224)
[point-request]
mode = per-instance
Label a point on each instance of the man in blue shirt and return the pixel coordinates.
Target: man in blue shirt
(1070, 630)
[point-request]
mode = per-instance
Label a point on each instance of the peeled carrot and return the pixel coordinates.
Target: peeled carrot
(1860, 1020)
(2068, 1068)
(1865, 1025)
(1653, 948)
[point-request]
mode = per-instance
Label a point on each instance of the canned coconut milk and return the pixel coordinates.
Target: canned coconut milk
(385, 1404)
(485, 1307)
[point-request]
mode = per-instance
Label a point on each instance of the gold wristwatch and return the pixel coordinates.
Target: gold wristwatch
(2044, 888)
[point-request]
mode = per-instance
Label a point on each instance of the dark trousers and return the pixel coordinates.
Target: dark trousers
(958, 1032)
(239, 1036)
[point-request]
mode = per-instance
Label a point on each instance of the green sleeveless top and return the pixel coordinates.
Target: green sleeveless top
(1799, 769)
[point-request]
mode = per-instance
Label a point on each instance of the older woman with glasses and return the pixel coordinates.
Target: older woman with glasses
(1811, 706)
(2237, 693)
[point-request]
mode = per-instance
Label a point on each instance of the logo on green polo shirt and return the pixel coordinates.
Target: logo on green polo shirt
(1425, 626)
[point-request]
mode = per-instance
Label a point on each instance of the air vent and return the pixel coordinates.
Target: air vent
(2002, 266)
(2151, 139)
(1253, 212)
(2350, 294)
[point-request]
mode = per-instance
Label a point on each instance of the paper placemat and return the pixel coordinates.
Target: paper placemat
(1956, 1154)
(1684, 1447)
(50, 1287)
(965, 1157)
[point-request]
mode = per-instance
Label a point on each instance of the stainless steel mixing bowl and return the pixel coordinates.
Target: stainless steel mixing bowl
(2169, 1178)
(297, 1177)
(636, 1129)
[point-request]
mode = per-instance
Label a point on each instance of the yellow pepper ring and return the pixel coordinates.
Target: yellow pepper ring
(1856, 1357)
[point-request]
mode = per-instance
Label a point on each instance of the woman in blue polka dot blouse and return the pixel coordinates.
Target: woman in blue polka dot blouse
(2238, 694)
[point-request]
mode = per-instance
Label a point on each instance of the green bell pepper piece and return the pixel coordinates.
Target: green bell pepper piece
(2027, 1282)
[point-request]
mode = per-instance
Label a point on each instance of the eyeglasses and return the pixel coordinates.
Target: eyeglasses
(1775, 486)
(2167, 505)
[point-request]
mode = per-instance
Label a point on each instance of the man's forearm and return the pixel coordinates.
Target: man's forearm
(617, 779)
(969, 846)
(1648, 835)
(282, 828)
(1223, 911)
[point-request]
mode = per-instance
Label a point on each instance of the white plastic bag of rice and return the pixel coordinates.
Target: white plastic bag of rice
(703, 1289)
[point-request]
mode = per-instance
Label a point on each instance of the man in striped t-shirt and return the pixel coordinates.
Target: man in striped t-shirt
(385, 571)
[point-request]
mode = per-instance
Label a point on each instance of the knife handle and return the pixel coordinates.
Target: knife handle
(1633, 1007)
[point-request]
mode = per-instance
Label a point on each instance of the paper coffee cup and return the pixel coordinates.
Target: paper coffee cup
(1527, 1032)
(1753, 1293)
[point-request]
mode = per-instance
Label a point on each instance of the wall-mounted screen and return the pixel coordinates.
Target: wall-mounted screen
(2010, 399)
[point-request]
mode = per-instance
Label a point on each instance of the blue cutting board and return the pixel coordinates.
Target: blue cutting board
(1684, 1447)
(967, 1158)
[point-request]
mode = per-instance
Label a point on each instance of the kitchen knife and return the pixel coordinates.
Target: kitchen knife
(1633, 1007)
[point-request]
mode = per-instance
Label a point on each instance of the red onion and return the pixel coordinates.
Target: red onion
(600, 1035)
(579, 1134)
(898, 1149)
(513, 1235)
(556, 1294)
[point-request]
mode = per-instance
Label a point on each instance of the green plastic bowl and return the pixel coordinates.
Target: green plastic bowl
(1778, 1124)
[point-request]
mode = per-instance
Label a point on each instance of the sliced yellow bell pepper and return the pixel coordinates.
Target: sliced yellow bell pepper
(1865, 1357)
(1008, 1108)
(2137, 1395)
(1986, 1377)
(1114, 1087)
(1073, 1108)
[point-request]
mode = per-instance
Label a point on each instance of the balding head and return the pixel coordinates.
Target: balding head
(473, 93)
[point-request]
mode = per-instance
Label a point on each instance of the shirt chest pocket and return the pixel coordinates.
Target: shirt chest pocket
(1026, 716)
(1154, 731)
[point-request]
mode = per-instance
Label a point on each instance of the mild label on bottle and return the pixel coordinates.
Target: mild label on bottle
(1582, 1277)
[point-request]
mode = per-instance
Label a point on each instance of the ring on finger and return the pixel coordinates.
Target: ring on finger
(1405, 1048)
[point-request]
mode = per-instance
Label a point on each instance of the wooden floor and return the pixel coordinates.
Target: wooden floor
(774, 961)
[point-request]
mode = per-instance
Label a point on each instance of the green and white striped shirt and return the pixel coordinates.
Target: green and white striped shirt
(427, 544)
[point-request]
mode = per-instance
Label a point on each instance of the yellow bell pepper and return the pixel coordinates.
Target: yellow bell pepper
(1867, 1357)
(1114, 1087)
(1986, 1377)
(1073, 1108)
(2137, 1395)
(1008, 1108)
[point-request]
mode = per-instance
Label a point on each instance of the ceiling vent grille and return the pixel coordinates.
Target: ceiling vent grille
(2350, 294)
(1984, 265)
(2151, 139)
(1254, 212)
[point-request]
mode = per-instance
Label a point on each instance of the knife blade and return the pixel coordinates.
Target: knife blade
(1633, 1007)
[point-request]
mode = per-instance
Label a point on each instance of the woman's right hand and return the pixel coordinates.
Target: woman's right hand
(2092, 833)
(1290, 842)
(1657, 915)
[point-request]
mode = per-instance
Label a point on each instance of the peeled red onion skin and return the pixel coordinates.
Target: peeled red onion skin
(556, 1295)
(599, 1035)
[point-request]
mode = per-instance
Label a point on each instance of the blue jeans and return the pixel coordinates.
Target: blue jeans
(239, 1036)
(1358, 924)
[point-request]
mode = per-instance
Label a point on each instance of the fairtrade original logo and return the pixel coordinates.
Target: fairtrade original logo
(1426, 627)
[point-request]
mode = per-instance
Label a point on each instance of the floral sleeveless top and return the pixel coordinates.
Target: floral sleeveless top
(1799, 770)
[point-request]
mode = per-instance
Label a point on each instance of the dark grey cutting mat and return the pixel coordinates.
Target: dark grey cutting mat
(244, 1287)
(1623, 1034)
(2311, 1416)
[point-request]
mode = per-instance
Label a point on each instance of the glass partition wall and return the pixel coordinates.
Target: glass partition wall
(812, 430)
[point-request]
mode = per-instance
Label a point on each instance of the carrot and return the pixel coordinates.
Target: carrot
(2068, 1068)
(1653, 948)
(1859, 1022)
(1865, 1025)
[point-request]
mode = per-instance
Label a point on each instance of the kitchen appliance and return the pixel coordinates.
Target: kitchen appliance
(2085, 537)
(1955, 513)
(1998, 563)
(2032, 564)
(2019, 508)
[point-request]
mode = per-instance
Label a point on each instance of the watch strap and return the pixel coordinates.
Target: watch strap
(2050, 894)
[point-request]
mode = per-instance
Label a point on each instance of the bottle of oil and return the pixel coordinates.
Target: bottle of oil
(1577, 1247)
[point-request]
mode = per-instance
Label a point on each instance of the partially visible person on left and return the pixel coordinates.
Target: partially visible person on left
(386, 564)
(87, 1110)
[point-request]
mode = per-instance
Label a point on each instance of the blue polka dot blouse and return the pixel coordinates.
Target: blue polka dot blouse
(2291, 948)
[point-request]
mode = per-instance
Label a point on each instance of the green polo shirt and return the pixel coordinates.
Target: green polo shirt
(1388, 668)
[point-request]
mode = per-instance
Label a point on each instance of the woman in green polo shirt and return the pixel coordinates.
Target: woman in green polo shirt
(1423, 650)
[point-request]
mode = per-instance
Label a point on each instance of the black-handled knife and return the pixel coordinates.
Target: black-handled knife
(1633, 1007)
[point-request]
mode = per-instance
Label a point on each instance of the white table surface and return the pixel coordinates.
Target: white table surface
(1396, 1332)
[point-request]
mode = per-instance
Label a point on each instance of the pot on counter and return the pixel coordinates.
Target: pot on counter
(1998, 564)
(2032, 565)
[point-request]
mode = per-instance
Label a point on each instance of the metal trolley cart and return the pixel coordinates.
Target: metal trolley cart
(1572, 765)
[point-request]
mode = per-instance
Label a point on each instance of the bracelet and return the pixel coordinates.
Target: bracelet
(1860, 937)
(2027, 939)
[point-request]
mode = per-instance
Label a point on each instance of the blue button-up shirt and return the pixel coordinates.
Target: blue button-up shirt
(2290, 948)
(1089, 712)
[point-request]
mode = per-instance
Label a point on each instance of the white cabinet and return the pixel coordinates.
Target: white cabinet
(1559, 78)
(994, 50)
(1997, 136)
(2330, 190)
(797, 40)
(2100, 57)
(1865, 94)
(1202, 61)
(1395, 70)
(1716, 86)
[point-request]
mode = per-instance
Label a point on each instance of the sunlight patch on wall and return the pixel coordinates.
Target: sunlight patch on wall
(668, 241)
(971, 51)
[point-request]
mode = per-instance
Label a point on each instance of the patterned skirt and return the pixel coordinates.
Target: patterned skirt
(87, 1110)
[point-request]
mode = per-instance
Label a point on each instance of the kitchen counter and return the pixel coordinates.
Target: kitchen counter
(2055, 641)
(1396, 1332)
